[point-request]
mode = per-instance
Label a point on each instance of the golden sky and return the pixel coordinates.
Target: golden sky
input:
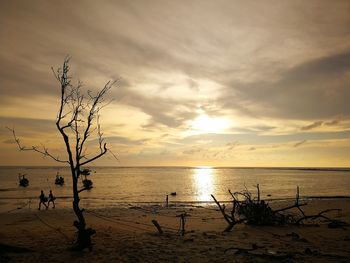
(217, 83)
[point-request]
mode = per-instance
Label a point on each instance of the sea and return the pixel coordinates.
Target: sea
(118, 186)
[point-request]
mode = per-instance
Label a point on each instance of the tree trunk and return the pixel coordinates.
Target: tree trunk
(84, 234)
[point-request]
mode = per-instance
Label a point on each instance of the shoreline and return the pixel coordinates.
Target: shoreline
(182, 201)
(111, 203)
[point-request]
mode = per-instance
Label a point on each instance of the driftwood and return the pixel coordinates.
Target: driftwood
(182, 222)
(321, 215)
(250, 210)
(156, 224)
(230, 219)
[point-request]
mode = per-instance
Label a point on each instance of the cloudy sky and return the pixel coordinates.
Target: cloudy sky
(217, 83)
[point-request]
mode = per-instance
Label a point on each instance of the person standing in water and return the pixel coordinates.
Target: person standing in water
(51, 199)
(42, 199)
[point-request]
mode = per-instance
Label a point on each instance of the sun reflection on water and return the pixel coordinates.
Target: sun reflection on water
(203, 182)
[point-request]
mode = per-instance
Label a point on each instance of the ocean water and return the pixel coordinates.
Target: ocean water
(124, 185)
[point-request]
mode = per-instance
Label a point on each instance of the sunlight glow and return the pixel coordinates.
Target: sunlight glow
(206, 124)
(203, 178)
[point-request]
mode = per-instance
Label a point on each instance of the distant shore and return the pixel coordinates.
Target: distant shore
(343, 169)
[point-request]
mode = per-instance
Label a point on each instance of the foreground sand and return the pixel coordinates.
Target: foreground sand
(126, 234)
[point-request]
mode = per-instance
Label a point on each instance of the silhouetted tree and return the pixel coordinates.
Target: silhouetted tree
(77, 119)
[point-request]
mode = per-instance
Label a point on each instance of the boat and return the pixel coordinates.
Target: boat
(87, 183)
(23, 181)
(59, 180)
(173, 193)
(85, 171)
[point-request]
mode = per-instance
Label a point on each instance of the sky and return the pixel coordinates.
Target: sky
(199, 83)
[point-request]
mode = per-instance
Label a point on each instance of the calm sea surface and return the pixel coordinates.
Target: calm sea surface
(116, 186)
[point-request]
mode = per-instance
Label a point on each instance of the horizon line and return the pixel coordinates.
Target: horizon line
(194, 166)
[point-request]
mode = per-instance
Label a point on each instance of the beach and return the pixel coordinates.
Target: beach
(175, 131)
(125, 233)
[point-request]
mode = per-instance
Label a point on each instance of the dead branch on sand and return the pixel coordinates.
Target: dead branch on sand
(254, 211)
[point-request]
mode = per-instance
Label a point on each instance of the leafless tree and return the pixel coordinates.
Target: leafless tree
(77, 120)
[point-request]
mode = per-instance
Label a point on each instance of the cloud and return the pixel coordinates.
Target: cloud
(317, 88)
(165, 111)
(312, 126)
(193, 150)
(332, 123)
(193, 85)
(300, 143)
(124, 140)
(27, 127)
(264, 66)
(232, 145)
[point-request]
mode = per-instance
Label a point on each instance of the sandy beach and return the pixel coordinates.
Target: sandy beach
(126, 234)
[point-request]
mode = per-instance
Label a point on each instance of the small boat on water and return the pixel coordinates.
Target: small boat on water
(85, 171)
(59, 180)
(173, 193)
(87, 183)
(23, 181)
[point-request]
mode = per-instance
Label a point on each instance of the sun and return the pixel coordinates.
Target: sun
(205, 124)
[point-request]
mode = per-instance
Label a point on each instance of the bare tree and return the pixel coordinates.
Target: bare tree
(77, 120)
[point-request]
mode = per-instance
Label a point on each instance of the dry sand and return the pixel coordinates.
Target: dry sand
(126, 234)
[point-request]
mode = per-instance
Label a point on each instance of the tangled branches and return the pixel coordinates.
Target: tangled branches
(254, 211)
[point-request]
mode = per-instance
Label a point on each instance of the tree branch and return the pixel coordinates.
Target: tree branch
(45, 152)
(97, 156)
(83, 189)
(319, 215)
(96, 100)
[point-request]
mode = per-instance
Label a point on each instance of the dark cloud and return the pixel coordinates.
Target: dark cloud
(193, 150)
(315, 89)
(27, 127)
(152, 37)
(17, 76)
(332, 123)
(193, 85)
(251, 138)
(164, 111)
(263, 128)
(124, 140)
(300, 143)
(312, 126)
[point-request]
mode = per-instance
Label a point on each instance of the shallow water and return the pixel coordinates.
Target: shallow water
(116, 185)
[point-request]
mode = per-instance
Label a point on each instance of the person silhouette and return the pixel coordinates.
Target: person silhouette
(42, 199)
(51, 199)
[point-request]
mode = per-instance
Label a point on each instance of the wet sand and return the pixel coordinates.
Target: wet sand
(126, 234)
